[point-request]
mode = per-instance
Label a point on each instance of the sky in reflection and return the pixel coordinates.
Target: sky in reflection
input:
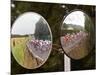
(75, 18)
(25, 24)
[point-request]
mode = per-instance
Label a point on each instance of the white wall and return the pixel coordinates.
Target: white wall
(84, 2)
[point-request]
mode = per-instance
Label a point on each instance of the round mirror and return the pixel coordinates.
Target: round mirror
(77, 35)
(31, 40)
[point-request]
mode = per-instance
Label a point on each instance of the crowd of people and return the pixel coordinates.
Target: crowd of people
(40, 45)
(70, 39)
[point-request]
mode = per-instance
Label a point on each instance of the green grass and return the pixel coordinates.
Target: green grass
(18, 49)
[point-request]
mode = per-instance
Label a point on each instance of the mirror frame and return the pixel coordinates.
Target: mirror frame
(64, 17)
(49, 28)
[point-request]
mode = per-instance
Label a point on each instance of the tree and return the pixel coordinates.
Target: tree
(42, 30)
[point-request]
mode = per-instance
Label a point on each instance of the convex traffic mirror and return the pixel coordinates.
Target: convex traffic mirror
(76, 31)
(31, 40)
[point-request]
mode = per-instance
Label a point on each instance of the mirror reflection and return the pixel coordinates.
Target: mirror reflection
(31, 40)
(76, 35)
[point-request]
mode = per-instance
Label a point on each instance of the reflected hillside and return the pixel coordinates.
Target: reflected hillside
(71, 28)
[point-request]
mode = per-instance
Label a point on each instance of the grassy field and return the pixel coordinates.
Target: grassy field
(18, 46)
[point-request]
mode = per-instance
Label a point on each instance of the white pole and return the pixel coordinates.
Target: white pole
(67, 63)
